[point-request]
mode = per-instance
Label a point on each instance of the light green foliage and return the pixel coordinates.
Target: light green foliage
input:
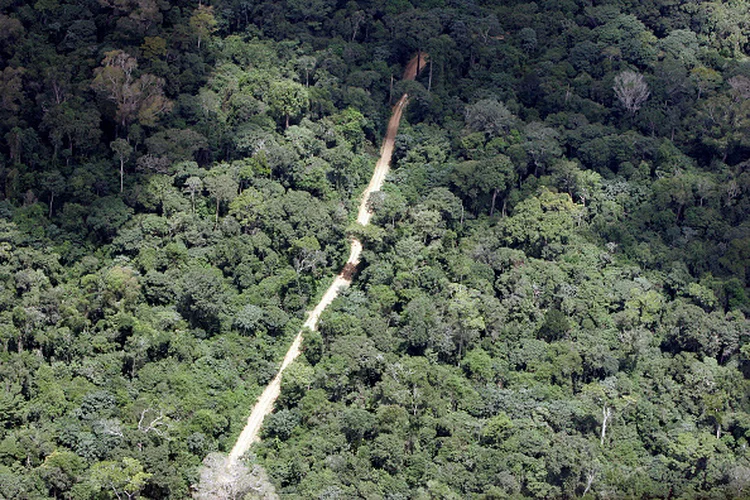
(552, 297)
(296, 382)
(203, 22)
(626, 36)
(541, 221)
(125, 478)
(287, 98)
(728, 25)
(222, 188)
(349, 124)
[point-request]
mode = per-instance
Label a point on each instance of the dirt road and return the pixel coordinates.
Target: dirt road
(264, 405)
(384, 163)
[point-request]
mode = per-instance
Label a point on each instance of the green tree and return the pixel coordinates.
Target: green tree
(223, 189)
(61, 470)
(287, 99)
(140, 98)
(201, 297)
(123, 479)
(494, 175)
(727, 25)
(540, 221)
(203, 22)
(541, 145)
(193, 186)
(555, 326)
(74, 122)
(489, 116)
(54, 184)
(123, 150)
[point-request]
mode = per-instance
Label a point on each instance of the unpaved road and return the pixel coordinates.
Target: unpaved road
(264, 406)
(383, 165)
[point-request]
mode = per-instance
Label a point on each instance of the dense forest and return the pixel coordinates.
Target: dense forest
(553, 295)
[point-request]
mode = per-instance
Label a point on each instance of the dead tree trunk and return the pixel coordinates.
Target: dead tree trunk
(606, 415)
(429, 80)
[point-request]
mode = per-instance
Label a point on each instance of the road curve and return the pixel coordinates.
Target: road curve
(264, 405)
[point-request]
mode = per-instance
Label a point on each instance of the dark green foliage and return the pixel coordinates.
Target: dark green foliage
(555, 326)
(176, 186)
(280, 425)
(202, 297)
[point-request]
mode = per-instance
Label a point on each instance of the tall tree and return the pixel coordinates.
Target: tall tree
(223, 189)
(203, 22)
(122, 150)
(489, 116)
(140, 98)
(287, 98)
(631, 89)
(124, 479)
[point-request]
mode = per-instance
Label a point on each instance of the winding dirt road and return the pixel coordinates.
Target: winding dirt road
(264, 405)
